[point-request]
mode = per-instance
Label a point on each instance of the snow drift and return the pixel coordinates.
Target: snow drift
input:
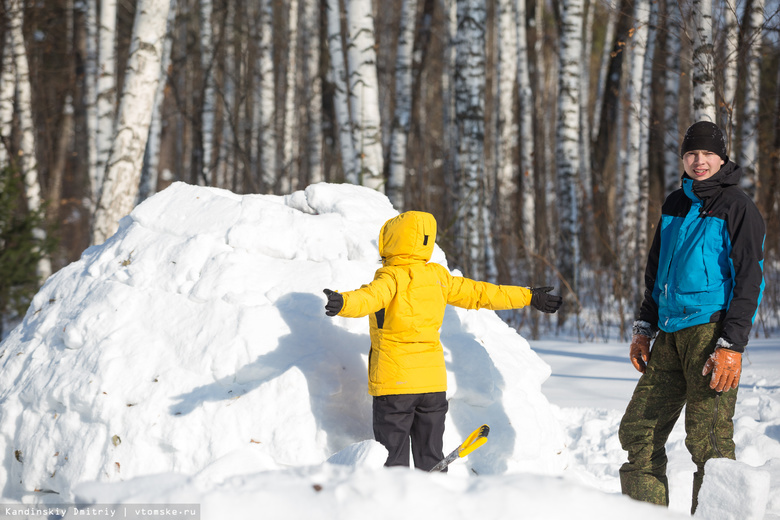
(195, 337)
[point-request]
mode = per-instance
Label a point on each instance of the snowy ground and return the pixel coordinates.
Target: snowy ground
(591, 384)
(188, 361)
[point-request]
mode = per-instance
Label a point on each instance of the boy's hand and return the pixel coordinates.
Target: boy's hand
(726, 367)
(335, 302)
(639, 351)
(543, 301)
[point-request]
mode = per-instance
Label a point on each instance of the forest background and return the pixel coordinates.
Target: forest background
(542, 134)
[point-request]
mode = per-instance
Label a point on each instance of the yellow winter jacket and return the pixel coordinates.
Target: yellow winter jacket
(405, 304)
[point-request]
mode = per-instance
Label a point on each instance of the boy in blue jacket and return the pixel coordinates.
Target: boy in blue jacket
(703, 283)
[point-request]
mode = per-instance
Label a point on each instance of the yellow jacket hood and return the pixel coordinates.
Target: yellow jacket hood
(407, 238)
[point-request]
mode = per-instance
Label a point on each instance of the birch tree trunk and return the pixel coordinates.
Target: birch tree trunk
(290, 138)
(94, 175)
(469, 91)
(7, 96)
(606, 56)
(341, 93)
(568, 140)
(266, 101)
(151, 171)
(506, 141)
(364, 90)
(730, 60)
(644, 151)
(749, 156)
(703, 66)
(526, 140)
(585, 193)
(672, 166)
(106, 85)
(28, 161)
(631, 201)
(121, 183)
(313, 85)
(399, 133)
(207, 56)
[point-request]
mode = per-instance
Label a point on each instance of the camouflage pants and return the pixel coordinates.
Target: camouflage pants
(673, 379)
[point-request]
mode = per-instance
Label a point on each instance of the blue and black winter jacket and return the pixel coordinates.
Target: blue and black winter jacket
(707, 259)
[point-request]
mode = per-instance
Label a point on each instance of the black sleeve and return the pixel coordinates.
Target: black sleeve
(648, 311)
(747, 232)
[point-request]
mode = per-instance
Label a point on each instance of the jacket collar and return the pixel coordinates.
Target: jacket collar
(697, 191)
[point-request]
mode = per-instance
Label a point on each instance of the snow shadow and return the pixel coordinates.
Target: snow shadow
(476, 397)
(332, 360)
(583, 355)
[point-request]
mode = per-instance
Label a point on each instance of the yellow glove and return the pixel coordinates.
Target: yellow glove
(726, 367)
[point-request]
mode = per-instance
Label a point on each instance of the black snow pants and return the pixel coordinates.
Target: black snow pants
(419, 417)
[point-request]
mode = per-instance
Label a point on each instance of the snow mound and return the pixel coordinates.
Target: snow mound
(196, 338)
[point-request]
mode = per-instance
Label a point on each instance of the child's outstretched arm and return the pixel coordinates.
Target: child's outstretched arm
(364, 301)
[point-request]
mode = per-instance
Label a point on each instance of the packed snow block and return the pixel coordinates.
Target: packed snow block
(196, 336)
(368, 453)
(733, 491)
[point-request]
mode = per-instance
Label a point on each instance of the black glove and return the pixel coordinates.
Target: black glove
(335, 302)
(543, 301)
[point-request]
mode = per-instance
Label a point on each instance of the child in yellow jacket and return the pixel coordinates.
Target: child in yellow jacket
(405, 303)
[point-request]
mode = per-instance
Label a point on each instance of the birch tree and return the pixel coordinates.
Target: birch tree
(7, 96)
(403, 105)
(150, 174)
(207, 55)
(568, 139)
(364, 94)
(94, 176)
(266, 100)
(506, 139)
(469, 90)
(754, 17)
(730, 55)
(313, 85)
(672, 98)
(28, 162)
(105, 85)
(703, 66)
(289, 137)
(526, 130)
(120, 186)
(338, 72)
(631, 200)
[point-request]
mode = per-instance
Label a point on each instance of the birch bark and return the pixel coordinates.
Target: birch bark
(341, 93)
(568, 139)
(749, 156)
(7, 96)
(105, 85)
(267, 102)
(469, 91)
(207, 55)
(313, 85)
(151, 171)
(28, 162)
(289, 137)
(121, 183)
(403, 105)
(364, 90)
(506, 141)
(672, 166)
(526, 140)
(703, 66)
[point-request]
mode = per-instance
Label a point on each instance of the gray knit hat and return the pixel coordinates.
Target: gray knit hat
(704, 136)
